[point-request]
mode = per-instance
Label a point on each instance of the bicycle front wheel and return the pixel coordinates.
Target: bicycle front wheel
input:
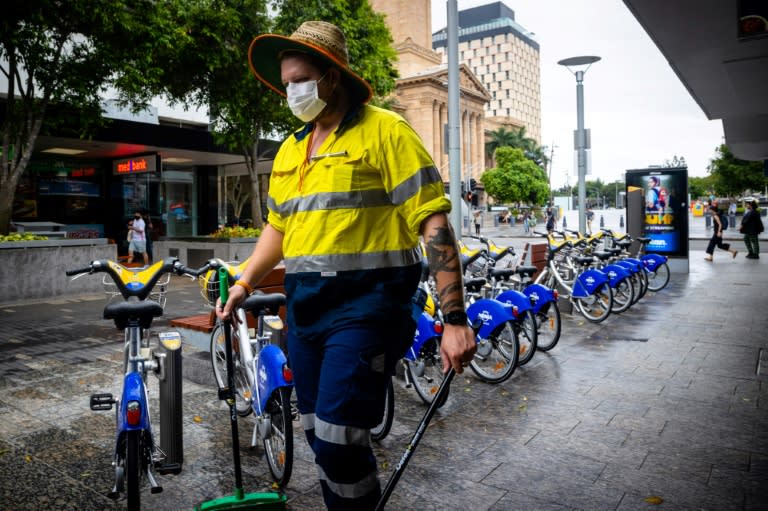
(496, 357)
(548, 322)
(597, 306)
(623, 296)
(527, 338)
(131, 473)
(659, 278)
(380, 432)
(278, 442)
(243, 392)
(426, 372)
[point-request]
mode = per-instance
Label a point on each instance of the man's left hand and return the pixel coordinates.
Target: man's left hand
(457, 347)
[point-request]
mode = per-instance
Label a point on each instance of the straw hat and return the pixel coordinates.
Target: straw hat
(317, 38)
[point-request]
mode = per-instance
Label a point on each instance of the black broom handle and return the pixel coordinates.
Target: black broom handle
(229, 393)
(400, 468)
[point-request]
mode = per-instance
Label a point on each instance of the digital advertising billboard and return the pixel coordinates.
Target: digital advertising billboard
(665, 208)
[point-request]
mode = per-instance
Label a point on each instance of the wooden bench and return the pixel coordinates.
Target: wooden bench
(272, 283)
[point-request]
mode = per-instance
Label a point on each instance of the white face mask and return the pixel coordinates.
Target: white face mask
(304, 101)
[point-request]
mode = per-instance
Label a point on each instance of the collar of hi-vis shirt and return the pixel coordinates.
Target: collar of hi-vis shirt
(349, 119)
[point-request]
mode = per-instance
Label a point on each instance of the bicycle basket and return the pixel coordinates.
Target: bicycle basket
(209, 287)
(157, 294)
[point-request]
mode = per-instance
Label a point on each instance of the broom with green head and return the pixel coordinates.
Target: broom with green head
(240, 500)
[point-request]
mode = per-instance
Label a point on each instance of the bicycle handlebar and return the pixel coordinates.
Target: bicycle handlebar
(136, 282)
(71, 273)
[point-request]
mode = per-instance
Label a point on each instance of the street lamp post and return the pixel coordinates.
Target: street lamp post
(581, 145)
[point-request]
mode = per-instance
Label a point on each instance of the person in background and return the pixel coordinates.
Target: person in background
(550, 219)
(590, 217)
(148, 230)
(138, 240)
(717, 236)
(751, 226)
(350, 193)
(476, 216)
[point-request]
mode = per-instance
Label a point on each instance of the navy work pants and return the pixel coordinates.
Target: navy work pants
(340, 380)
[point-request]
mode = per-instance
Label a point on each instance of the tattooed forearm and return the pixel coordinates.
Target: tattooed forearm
(441, 251)
(451, 297)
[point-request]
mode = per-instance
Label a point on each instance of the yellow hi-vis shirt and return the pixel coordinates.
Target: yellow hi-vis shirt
(359, 202)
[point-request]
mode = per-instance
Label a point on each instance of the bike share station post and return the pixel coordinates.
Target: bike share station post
(169, 376)
(657, 208)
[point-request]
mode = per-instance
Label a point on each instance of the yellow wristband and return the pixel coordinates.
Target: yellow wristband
(244, 285)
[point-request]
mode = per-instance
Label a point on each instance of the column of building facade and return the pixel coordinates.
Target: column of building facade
(480, 146)
(436, 132)
(443, 153)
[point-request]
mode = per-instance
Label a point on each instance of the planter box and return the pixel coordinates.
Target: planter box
(195, 251)
(34, 270)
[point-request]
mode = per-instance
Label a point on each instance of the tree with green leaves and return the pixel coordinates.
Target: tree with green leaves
(700, 187)
(732, 176)
(59, 62)
(244, 111)
(515, 179)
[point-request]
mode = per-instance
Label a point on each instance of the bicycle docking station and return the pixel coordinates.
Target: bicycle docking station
(169, 375)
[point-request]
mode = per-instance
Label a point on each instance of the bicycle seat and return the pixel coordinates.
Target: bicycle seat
(270, 302)
(643, 240)
(526, 270)
(613, 251)
(602, 254)
(583, 260)
(623, 244)
(474, 285)
(501, 273)
(121, 312)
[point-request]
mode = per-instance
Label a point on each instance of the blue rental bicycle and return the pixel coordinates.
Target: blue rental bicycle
(136, 451)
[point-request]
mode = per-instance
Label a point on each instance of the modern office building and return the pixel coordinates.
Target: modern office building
(505, 58)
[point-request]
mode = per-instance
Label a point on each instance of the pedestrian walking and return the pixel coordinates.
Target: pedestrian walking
(526, 222)
(590, 216)
(352, 269)
(550, 219)
(138, 242)
(476, 216)
(717, 236)
(751, 226)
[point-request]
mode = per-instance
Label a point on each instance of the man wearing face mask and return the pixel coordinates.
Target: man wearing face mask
(349, 195)
(138, 241)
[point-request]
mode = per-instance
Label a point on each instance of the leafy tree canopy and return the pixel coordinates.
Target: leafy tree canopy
(732, 176)
(71, 56)
(515, 179)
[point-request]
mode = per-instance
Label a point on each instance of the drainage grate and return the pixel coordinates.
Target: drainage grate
(630, 339)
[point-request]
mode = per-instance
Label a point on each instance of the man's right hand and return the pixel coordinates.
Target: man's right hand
(236, 296)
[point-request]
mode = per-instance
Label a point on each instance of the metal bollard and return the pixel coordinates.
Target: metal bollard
(621, 221)
(565, 224)
(602, 221)
(171, 434)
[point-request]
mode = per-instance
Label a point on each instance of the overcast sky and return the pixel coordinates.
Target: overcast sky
(639, 112)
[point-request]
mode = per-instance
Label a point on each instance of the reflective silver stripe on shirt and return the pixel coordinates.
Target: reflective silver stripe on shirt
(348, 262)
(412, 185)
(341, 435)
(361, 488)
(331, 200)
(307, 421)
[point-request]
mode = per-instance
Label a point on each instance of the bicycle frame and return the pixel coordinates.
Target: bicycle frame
(135, 452)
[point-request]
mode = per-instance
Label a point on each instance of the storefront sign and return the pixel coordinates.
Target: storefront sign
(665, 208)
(136, 165)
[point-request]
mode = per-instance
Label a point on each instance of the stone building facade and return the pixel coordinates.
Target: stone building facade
(421, 94)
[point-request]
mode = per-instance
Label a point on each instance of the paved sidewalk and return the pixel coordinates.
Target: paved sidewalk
(662, 407)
